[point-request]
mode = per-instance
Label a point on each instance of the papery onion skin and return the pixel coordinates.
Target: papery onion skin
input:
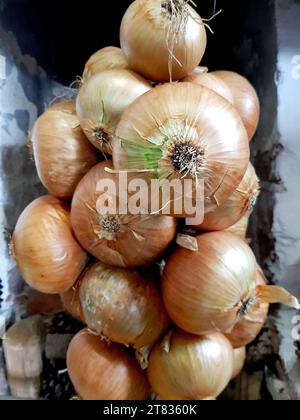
(144, 39)
(102, 371)
(140, 239)
(250, 325)
(46, 251)
(204, 291)
(241, 202)
(240, 228)
(71, 302)
(108, 58)
(239, 358)
(102, 100)
(62, 153)
(121, 305)
(169, 117)
(211, 82)
(245, 99)
(195, 368)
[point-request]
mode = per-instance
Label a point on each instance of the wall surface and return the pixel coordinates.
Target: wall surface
(286, 226)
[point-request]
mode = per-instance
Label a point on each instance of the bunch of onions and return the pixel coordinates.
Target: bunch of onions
(240, 203)
(62, 153)
(240, 228)
(189, 367)
(202, 78)
(239, 357)
(71, 302)
(116, 239)
(120, 305)
(102, 100)
(245, 99)
(210, 290)
(162, 39)
(108, 58)
(182, 130)
(47, 254)
(102, 371)
(250, 324)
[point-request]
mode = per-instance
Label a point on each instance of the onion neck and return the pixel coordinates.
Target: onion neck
(276, 294)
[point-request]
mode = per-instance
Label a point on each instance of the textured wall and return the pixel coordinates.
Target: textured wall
(25, 91)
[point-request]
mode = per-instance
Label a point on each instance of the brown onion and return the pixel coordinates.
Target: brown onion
(184, 131)
(122, 306)
(47, 254)
(162, 38)
(250, 324)
(240, 228)
(71, 302)
(211, 82)
(245, 99)
(108, 58)
(242, 201)
(239, 357)
(62, 153)
(209, 290)
(118, 240)
(102, 371)
(189, 367)
(102, 100)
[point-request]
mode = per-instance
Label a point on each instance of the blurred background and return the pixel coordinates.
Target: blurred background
(43, 48)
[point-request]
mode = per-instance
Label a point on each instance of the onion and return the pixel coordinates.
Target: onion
(245, 99)
(162, 38)
(71, 302)
(102, 371)
(118, 240)
(239, 357)
(109, 58)
(210, 290)
(250, 325)
(211, 82)
(61, 151)
(188, 367)
(102, 100)
(47, 254)
(240, 228)
(241, 202)
(185, 131)
(122, 306)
